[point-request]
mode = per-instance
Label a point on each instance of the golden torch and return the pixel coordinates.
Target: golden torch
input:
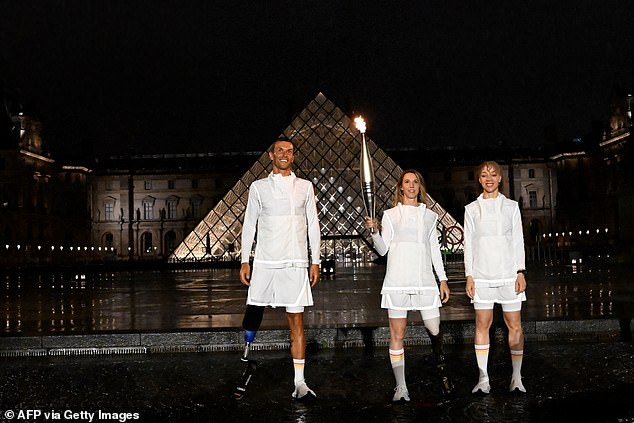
(366, 173)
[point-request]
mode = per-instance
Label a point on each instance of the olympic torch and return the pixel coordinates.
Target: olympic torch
(366, 173)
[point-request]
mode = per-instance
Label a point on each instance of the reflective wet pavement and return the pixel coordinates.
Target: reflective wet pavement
(569, 377)
(213, 299)
(566, 382)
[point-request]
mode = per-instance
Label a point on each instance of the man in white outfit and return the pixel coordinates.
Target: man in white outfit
(282, 211)
(495, 269)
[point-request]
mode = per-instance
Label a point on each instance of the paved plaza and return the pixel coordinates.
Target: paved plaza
(164, 345)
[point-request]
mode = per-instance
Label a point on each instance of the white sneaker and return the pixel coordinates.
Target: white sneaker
(302, 391)
(516, 385)
(400, 393)
(482, 386)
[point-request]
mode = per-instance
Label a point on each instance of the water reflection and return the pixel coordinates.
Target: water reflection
(67, 303)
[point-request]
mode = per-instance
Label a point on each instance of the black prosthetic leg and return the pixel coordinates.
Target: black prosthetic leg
(446, 385)
(251, 323)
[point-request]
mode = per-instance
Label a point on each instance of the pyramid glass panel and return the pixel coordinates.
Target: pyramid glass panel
(327, 147)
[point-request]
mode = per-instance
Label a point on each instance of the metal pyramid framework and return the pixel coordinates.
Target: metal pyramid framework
(327, 153)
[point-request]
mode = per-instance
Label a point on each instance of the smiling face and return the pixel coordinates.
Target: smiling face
(282, 156)
(410, 188)
(490, 179)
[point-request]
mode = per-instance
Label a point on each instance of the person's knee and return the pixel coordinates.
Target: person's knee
(432, 325)
(397, 334)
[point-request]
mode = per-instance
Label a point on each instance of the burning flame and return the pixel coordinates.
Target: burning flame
(360, 123)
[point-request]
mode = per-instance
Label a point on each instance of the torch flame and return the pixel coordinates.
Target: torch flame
(360, 123)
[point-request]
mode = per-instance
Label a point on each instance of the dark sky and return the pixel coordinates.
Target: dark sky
(153, 76)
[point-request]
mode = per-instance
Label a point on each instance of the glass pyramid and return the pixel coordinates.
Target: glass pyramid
(327, 153)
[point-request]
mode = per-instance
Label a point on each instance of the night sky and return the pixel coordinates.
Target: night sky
(141, 76)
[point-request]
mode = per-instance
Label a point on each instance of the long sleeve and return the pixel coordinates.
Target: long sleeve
(468, 239)
(518, 240)
(436, 255)
(380, 244)
(250, 223)
(312, 220)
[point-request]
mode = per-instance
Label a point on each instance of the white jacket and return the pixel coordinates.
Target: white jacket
(411, 237)
(284, 213)
(493, 241)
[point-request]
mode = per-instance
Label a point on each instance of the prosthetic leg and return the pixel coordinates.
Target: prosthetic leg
(446, 385)
(251, 323)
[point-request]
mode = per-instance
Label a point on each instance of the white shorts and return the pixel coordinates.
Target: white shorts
(486, 297)
(286, 287)
(402, 314)
(420, 301)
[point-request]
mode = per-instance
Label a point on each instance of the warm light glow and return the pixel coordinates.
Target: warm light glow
(360, 123)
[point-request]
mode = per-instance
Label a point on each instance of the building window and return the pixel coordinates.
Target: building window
(171, 209)
(108, 185)
(108, 240)
(532, 199)
(148, 185)
(195, 183)
(147, 242)
(195, 208)
(148, 210)
(531, 173)
(109, 212)
(170, 184)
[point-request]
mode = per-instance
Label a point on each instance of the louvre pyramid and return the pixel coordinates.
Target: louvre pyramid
(327, 153)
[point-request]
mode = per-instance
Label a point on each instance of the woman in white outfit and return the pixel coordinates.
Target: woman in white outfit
(495, 270)
(410, 235)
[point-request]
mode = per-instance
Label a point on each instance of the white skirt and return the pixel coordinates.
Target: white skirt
(285, 287)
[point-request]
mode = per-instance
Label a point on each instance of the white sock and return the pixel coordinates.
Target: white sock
(298, 365)
(516, 360)
(482, 357)
(397, 359)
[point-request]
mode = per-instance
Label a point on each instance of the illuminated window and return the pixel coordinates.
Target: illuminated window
(109, 211)
(171, 209)
(148, 210)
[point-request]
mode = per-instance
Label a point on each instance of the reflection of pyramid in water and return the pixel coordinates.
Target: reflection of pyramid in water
(327, 153)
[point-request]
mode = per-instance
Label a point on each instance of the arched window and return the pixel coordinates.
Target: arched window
(146, 239)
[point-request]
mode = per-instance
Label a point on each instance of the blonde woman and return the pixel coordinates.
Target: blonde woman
(410, 235)
(495, 270)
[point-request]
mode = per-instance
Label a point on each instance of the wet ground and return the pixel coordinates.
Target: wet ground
(566, 382)
(214, 299)
(84, 326)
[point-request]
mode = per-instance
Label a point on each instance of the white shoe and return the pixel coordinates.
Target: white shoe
(302, 391)
(483, 386)
(400, 393)
(516, 385)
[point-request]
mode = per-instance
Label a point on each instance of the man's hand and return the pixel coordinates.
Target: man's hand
(470, 287)
(313, 274)
(520, 283)
(245, 273)
(444, 292)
